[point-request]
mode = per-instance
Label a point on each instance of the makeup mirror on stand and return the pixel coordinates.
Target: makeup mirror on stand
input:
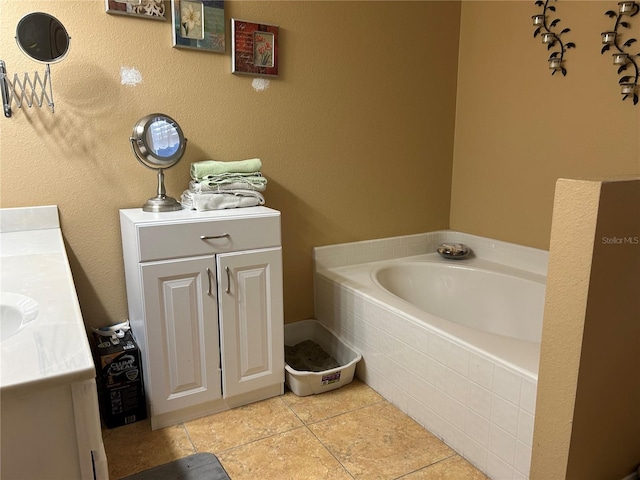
(158, 143)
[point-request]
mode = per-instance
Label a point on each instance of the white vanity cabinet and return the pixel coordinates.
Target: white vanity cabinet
(205, 304)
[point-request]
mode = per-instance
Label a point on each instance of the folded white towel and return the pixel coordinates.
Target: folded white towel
(254, 177)
(219, 201)
(214, 167)
(207, 187)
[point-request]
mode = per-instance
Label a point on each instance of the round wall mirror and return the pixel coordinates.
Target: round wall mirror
(42, 37)
(158, 143)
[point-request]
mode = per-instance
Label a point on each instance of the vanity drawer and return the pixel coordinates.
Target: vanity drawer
(184, 239)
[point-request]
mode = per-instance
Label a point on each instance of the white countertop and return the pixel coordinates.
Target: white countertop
(137, 215)
(53, 348)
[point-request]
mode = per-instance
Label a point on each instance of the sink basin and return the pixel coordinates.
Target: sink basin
(16, 312)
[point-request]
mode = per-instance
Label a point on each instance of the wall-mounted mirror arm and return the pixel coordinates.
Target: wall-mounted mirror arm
(44, 39)
(26, 90)
(6, 98)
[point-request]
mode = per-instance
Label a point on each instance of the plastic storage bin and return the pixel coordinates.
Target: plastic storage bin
(304, 383)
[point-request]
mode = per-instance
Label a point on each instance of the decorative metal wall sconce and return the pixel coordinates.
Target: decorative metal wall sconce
(550, 37)
(623, 59)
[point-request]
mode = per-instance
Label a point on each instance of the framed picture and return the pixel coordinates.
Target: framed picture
(199, 24)
(153, 9)
(255, 48)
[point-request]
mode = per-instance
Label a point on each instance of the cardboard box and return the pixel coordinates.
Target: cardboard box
(120, 385)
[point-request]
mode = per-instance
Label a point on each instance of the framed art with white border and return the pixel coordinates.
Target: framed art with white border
(254, 48)
(199, 24)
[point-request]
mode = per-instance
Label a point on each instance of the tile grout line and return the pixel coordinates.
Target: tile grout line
(382, 400)
(258, 440)
(186, 431)
(404, 475)
(306, 426)
(242, 444)
(291, 409)
(329, 451)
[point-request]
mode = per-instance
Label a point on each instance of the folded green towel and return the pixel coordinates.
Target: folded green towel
(214, 167)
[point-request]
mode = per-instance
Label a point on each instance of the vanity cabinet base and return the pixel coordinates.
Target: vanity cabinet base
(205, 304)
(215, 406)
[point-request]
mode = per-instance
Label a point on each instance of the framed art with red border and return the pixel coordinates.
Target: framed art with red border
(254, 48)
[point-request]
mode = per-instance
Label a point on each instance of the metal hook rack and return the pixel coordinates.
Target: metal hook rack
(25, 90)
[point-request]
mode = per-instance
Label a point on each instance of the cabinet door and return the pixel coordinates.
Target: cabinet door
(251, 320)
(182, 333)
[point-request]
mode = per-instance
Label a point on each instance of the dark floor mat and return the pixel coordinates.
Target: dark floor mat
(201, 466)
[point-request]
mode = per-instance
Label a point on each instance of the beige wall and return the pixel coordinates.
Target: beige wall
(519, 129)
(356, 135)
(588, 405)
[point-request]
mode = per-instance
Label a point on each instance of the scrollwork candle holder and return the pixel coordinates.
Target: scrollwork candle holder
(623, 59)
(550, 37)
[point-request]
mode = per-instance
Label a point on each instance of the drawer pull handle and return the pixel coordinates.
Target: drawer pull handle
(210, 282)
(213, 237)
(228, 290)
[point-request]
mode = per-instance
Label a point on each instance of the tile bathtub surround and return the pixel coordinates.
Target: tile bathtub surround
(481, 409)
(349, 433)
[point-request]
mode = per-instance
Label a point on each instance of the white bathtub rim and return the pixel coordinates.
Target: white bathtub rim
(367, 251)
(512, 255)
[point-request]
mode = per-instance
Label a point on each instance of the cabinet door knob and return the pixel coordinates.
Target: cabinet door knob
(213, 237)
(226, 269)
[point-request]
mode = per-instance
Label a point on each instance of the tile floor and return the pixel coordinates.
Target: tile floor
(349, 433)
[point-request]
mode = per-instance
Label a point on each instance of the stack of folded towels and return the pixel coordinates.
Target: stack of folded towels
(216, 185)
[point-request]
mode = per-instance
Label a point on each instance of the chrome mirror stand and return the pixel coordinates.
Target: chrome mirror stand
(161, 203)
